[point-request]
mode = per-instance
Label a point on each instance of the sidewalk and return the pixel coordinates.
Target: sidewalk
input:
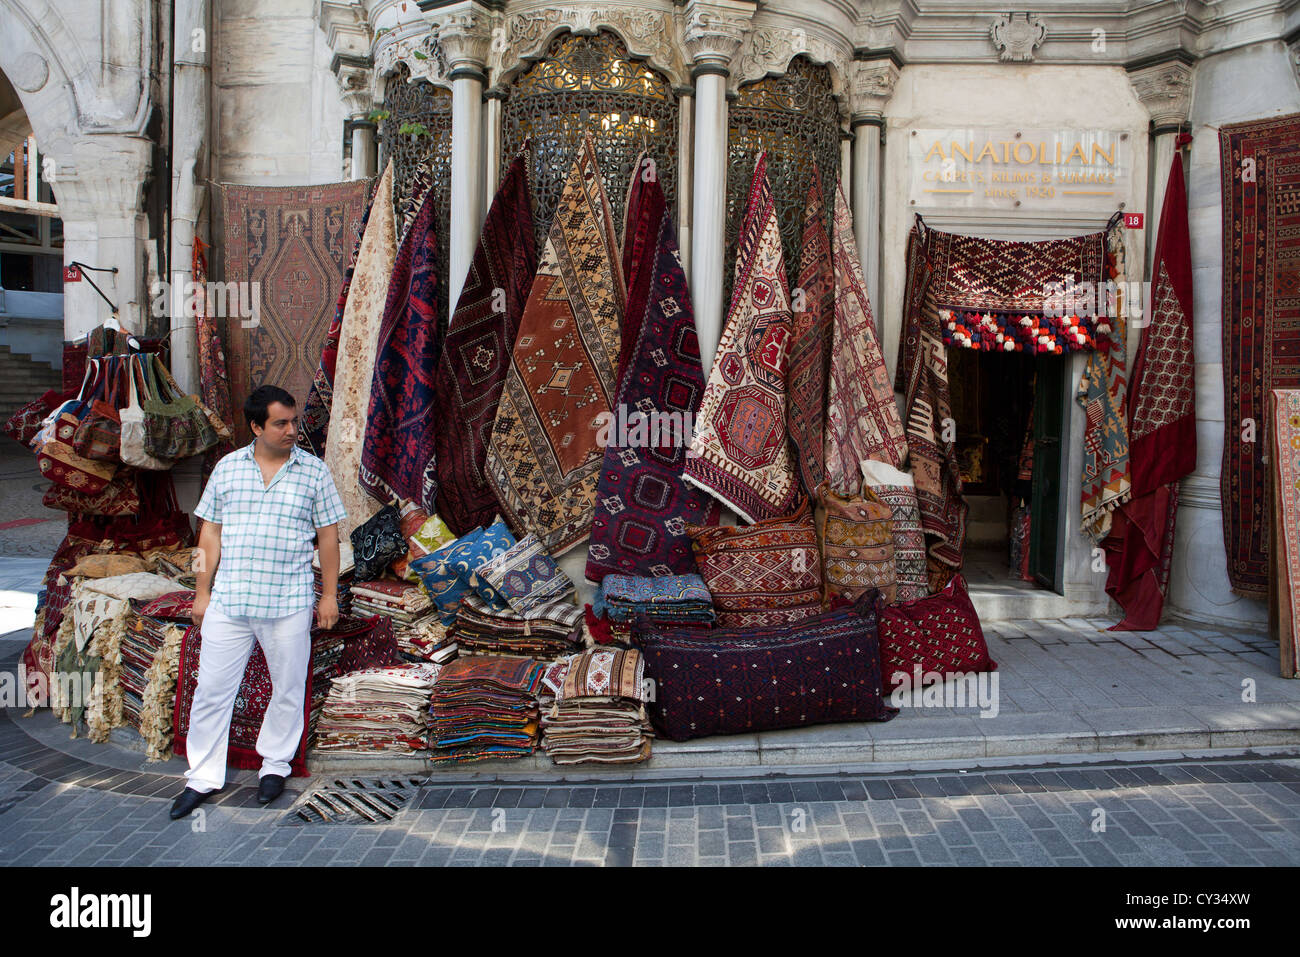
(1064, 687)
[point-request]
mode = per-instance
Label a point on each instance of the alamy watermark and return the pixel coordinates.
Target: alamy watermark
(933, 689)
(645, 427)
(220, 300)
(64, 689)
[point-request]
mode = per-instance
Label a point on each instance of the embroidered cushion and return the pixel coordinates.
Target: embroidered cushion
(763, 574)
(940, 633)
(445, 573)
(820, 670)
(897, 489)
(523, 577)
(857, 544)
(377, 544)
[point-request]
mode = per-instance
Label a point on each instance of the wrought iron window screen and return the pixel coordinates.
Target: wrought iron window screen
(590, 83)
(795, 118)
(421, 157)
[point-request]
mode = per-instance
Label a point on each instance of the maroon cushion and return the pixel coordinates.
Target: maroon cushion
(940, 633)
(733, 681)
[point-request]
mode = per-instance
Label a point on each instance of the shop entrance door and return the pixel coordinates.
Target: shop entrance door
(1047, 503)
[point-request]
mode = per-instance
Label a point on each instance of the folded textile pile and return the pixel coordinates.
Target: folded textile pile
(378, 710)
(546, 632)
(151, 651)
(599, 714)
(672, 599)
(484, 708)
(405, 604)
(430, 640)
(346, 574)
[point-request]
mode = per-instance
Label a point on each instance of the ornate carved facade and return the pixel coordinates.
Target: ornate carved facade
(590, 84)
(795, 117)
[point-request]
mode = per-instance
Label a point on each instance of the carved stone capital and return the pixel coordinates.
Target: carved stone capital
(1016, 35)
(355, 76)
(715, 31)
(871, 87)
(465, 35)
(1165, 90)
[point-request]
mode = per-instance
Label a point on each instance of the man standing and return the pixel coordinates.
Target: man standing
(263, 505)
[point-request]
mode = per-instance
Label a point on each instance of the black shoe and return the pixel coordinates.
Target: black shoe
(188, 800)
(269, 788)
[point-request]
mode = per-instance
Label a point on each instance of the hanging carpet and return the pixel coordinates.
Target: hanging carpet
(642, 504)
(358, 345)
(294, 242)
(1261, 324)
(810, 334)
(1162, 426)
(313, 425)
(1285, 453)
(543, 458)
(397, 454)
(476, 355)
(741, 453)
(862, 421)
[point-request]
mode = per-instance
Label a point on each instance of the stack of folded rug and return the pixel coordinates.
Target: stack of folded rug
(151, 650)
(430, 640)
(484, 708)
(599, 714)
(670, 600)
(545, 631)
(346, 573)
(403, 603)
(378, 710)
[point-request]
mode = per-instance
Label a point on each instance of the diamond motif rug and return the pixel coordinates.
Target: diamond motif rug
(543, 459)
(1261, 323)
(862, 421)
(811, 309)
(642, 504)
(741, 454)
(397, 455)
(1162, 426)
(294, 241)
(476, 355)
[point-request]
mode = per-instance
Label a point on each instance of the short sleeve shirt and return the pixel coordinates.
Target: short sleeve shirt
(267, 530)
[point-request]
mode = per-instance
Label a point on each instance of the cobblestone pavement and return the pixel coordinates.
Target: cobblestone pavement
(56, 809)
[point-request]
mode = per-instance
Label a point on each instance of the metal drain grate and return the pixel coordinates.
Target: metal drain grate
(353, 801)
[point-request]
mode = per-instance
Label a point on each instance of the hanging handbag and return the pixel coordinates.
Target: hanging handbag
(174, 426)
(56, 458)
(132, 418)
(119, 497)
(224, 434)
(377, 544)
(99, 436)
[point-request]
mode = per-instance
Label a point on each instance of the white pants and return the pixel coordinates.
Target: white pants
(227, 645)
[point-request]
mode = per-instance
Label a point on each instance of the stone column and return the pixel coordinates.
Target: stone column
(873, 84)
(1165, 90)
(714, 32)
(363, 149)
(464, 34)
(492, 145)
(846, 170)
(685, 182)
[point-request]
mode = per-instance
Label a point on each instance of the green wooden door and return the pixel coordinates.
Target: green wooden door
(1046, 526)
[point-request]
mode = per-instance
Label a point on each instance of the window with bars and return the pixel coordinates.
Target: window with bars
(590, 84)
(794, 117)
(416, 136)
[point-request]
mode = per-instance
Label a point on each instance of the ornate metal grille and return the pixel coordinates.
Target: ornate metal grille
(794, 117)
(421, 156)
(590, 83)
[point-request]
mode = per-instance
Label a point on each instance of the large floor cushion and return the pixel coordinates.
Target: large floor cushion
(821, 670)
(941, 634)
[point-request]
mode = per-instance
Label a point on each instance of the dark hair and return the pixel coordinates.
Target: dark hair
(259, 401)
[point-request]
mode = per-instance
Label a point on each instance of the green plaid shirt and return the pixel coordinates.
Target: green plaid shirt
(267, 531)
